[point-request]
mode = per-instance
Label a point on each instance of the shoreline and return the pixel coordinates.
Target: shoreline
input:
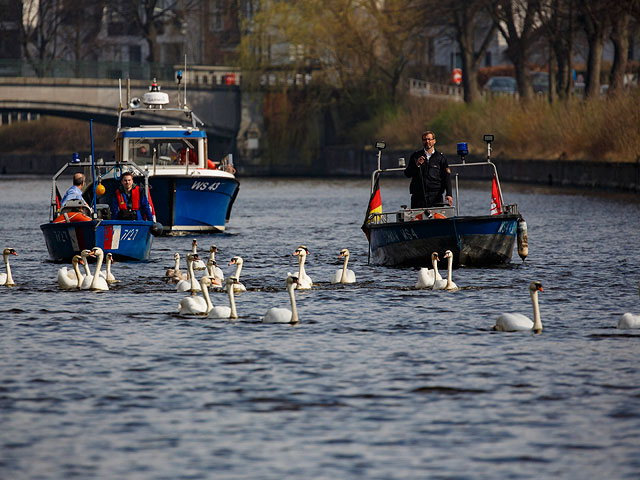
(352, 162)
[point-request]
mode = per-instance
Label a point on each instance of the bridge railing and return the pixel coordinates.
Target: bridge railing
(86, 69)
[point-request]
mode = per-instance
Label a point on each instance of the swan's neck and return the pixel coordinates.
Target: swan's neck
(108, 268)
(9, 277)
(207, 298)
(343, 279)
(86, 266)
(238, 270)
(537, 322)
(192, 276)
(232, 302)
(292, 297)
(212, 256)
(301, 273)
(449, 271)
(434, 263)
(76, 268)
(94, 282)
(211, 270)
(176, 267)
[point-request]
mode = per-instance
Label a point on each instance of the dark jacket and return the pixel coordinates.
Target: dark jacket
(432, 178)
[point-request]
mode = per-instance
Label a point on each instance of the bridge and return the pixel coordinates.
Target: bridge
(218, 106)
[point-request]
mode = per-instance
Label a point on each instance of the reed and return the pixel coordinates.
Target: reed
(603, 129)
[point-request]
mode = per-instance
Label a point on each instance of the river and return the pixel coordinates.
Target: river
(377, 381)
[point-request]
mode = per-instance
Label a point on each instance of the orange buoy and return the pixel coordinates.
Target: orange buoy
(72, 217)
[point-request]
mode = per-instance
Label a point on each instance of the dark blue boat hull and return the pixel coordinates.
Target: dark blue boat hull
(474, 241)
(126, 240)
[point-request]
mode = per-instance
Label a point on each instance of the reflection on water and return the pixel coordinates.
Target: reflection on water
(378, 380)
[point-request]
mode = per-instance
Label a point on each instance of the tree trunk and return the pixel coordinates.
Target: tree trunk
(620, 39)
(594, 66)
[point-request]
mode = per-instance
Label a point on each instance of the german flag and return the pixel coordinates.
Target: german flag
(375, 205)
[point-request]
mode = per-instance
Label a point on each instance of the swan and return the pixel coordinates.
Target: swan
(212, 257)
(198, 264)
(284, 315)
(84, 254)
(237, 286)
(223, 311)
(65, 281)
(211, 271)
(304, 280)
(174, 274)
(344, 275)
(110, 277)
(449, 284)
(97, 281)
(427, 277)
(438, 283)
(629, 320)
(190, 284)
(5, 278)
(195, 305)
(516, 322)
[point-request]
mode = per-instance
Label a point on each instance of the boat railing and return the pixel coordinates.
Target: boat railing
(102, 168)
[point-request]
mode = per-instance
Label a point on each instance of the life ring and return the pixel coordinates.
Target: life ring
(211, 165)
(73, 217)
(438, 215)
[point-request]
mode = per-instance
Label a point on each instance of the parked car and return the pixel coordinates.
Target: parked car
(540, 82)
(507, 85)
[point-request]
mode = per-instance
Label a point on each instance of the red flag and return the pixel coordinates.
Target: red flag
(496, 205)
(375, 205)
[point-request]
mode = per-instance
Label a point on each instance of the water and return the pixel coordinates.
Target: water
(378, 381)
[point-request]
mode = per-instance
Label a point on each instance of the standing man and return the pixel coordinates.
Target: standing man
(130, 201)
(75, 190)
(430, 175)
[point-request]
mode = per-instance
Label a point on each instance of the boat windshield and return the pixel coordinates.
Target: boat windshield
(168, 151)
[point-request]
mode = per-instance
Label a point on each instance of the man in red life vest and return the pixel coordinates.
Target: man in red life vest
(130, 201)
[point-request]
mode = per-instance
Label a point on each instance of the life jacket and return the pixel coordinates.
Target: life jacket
(135, 199)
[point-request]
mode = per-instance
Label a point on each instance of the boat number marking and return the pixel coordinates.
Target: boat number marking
(61, 237)
(128, 234)
(399, 235)
(409, 234)
(197, 185)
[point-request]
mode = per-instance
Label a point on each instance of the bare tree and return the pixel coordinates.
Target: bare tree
(39, 33)
(470, 19)
(620, 37)
(595, 20)
(516, 21)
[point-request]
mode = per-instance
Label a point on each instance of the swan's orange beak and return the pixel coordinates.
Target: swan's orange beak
(539, 287)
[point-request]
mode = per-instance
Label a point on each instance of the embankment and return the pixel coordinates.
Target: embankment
(342, 162)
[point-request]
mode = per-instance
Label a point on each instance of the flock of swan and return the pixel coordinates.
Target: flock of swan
(75, 278)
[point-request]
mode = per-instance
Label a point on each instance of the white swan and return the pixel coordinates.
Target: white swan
(516, 322)
(224, 311)
(211, 271)
(5, 278)
(449, 284)
(438, 283)
(110, 278)
(237, 286)
(427, 276)
(174, 275)
(191, 284)
(304, 281)
(97, 281)
(85, 254)
(195, 305)
(284, 315)
(198, 264)
(344, 275)
(65, 282)
(629, 320)
(217, 271)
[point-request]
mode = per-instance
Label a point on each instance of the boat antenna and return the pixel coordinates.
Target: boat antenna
(185, 79)
(120, 92)
(93, 164)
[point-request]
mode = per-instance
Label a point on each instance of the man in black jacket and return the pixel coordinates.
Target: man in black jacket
(430, 175)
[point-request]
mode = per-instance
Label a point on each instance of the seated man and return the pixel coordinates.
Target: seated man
(75, 191)
(130, 201)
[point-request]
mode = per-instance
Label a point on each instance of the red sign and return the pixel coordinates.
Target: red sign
(230, 79)
(456, 76)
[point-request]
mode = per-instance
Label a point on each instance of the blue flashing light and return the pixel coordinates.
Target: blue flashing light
(462, 149)
(75, 157)
(179, 75)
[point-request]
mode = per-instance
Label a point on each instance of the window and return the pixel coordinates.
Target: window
(216, 15)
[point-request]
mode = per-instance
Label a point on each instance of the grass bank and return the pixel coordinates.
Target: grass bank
(605, 129)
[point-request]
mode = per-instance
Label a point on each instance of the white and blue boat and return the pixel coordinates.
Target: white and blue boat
(190, 193)
(408, 237)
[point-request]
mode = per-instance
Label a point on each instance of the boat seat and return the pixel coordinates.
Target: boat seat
(76, 206)
(104, 211)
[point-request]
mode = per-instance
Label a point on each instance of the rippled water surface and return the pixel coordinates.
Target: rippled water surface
(377, 381)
